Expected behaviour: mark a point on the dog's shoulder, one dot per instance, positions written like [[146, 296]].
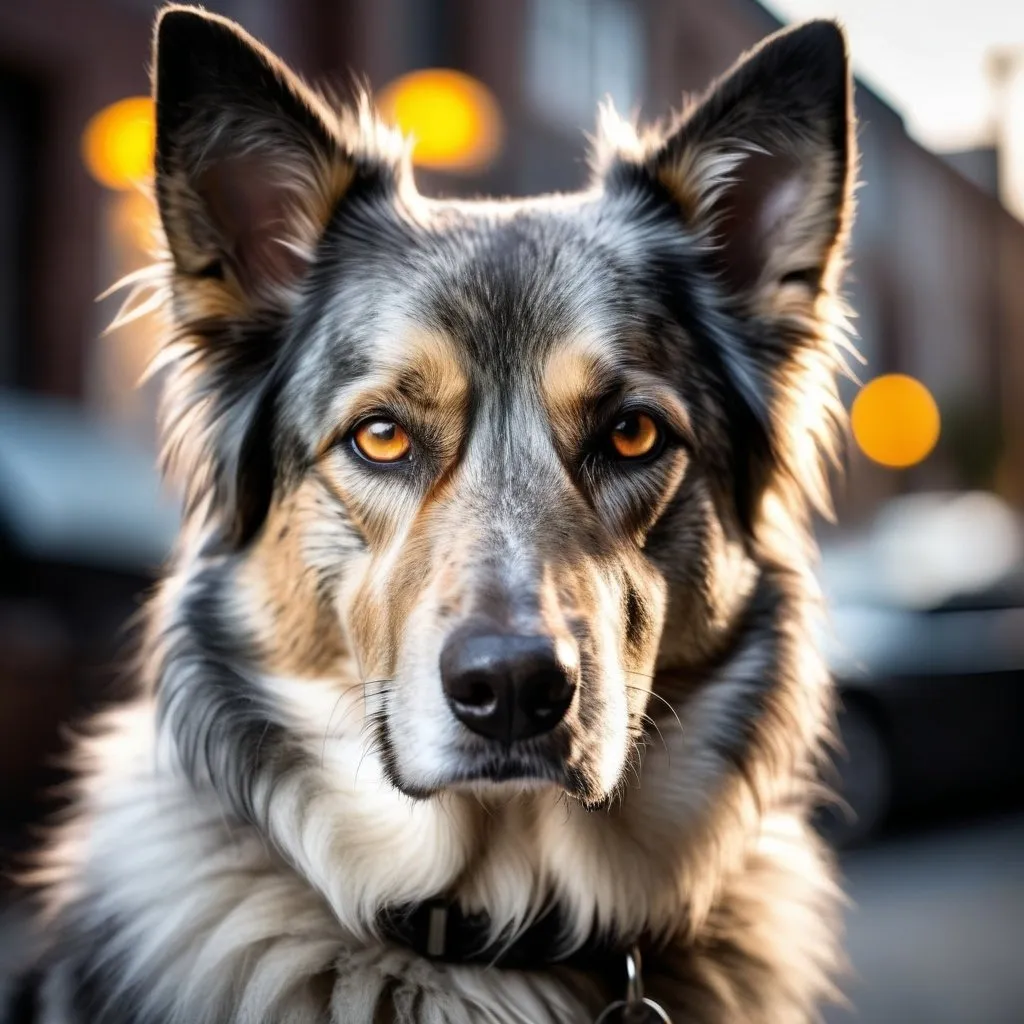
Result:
[[154, 897]]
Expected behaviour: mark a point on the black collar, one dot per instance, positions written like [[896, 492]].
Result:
[[439, 930]]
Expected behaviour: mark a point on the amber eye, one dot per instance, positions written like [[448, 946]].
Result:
[[381, 441], [635, 436]]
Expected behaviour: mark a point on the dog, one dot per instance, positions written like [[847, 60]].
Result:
[[482, 683]]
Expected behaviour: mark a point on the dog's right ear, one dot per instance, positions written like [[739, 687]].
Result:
[[250, 163]]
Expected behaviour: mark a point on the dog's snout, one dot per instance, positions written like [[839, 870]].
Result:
[[507, 687]]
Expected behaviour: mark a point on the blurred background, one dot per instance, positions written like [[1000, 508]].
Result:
[[925, 571]]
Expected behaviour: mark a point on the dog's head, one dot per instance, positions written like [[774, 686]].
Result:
[[508, 459]]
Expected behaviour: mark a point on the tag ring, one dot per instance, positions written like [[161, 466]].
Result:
[[629, 1013], [635, 1007]]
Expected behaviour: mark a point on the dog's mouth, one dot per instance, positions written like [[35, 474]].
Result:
[[503, 776], [539, 763], [480, 771]]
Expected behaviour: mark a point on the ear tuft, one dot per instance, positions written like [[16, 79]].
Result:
[[617, 139]]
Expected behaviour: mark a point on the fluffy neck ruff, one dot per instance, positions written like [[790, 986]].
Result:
[[233, 855]]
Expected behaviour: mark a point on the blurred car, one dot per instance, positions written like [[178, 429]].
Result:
[[83, 525], [926, 641]]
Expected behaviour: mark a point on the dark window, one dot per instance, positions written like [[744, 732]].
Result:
[[20, 114]]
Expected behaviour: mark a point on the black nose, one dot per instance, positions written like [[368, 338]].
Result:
[[506, 687]]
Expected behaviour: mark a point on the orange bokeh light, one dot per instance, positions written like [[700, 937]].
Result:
[[895, 421], [454, 119], [118, 143]]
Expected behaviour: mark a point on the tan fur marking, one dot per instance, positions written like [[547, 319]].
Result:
[[296, 626], [570, 382], [378, 610]]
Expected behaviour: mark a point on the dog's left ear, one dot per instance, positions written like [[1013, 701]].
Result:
[[759, 174], [762, 163]]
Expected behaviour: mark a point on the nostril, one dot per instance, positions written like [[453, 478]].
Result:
[[545, 696], [475, 694]]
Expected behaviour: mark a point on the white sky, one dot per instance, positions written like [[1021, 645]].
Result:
[[929, 59]]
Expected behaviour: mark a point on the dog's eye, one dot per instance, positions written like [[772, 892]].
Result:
[[380, 440], [635, 435]]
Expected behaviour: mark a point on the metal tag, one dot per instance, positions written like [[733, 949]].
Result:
[[635, 1008], [647, 1011]]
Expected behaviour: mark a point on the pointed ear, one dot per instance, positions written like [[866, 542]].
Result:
[[758, 175], [762, 165], [251, 165], [249, 161]]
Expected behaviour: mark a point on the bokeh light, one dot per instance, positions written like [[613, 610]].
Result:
[[455, 120], [119, 141], [895, 420]]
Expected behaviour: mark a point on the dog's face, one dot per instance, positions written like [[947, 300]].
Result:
[[508, 460]]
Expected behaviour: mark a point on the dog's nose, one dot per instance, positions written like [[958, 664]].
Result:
[[506, 687]]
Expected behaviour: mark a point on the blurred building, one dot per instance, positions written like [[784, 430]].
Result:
[[937, 259]]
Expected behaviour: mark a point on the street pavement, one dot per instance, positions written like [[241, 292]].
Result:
[[936, 930]]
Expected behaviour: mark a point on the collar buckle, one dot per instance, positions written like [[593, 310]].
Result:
[[437, 930]]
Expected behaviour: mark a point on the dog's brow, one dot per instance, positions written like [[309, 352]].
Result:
[[429, 377], [575, 373], [429, 386], [421, 374], [580, 375]]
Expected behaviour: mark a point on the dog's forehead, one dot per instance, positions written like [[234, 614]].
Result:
[[506, 289], [479, 295]]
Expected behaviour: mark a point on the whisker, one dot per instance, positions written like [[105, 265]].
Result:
[[369, 715], [658, 696], [372, 740], [327, 727], [344, 692], [639, 675], [372, 722], [661, 736], [368, 711], [344, 719]]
